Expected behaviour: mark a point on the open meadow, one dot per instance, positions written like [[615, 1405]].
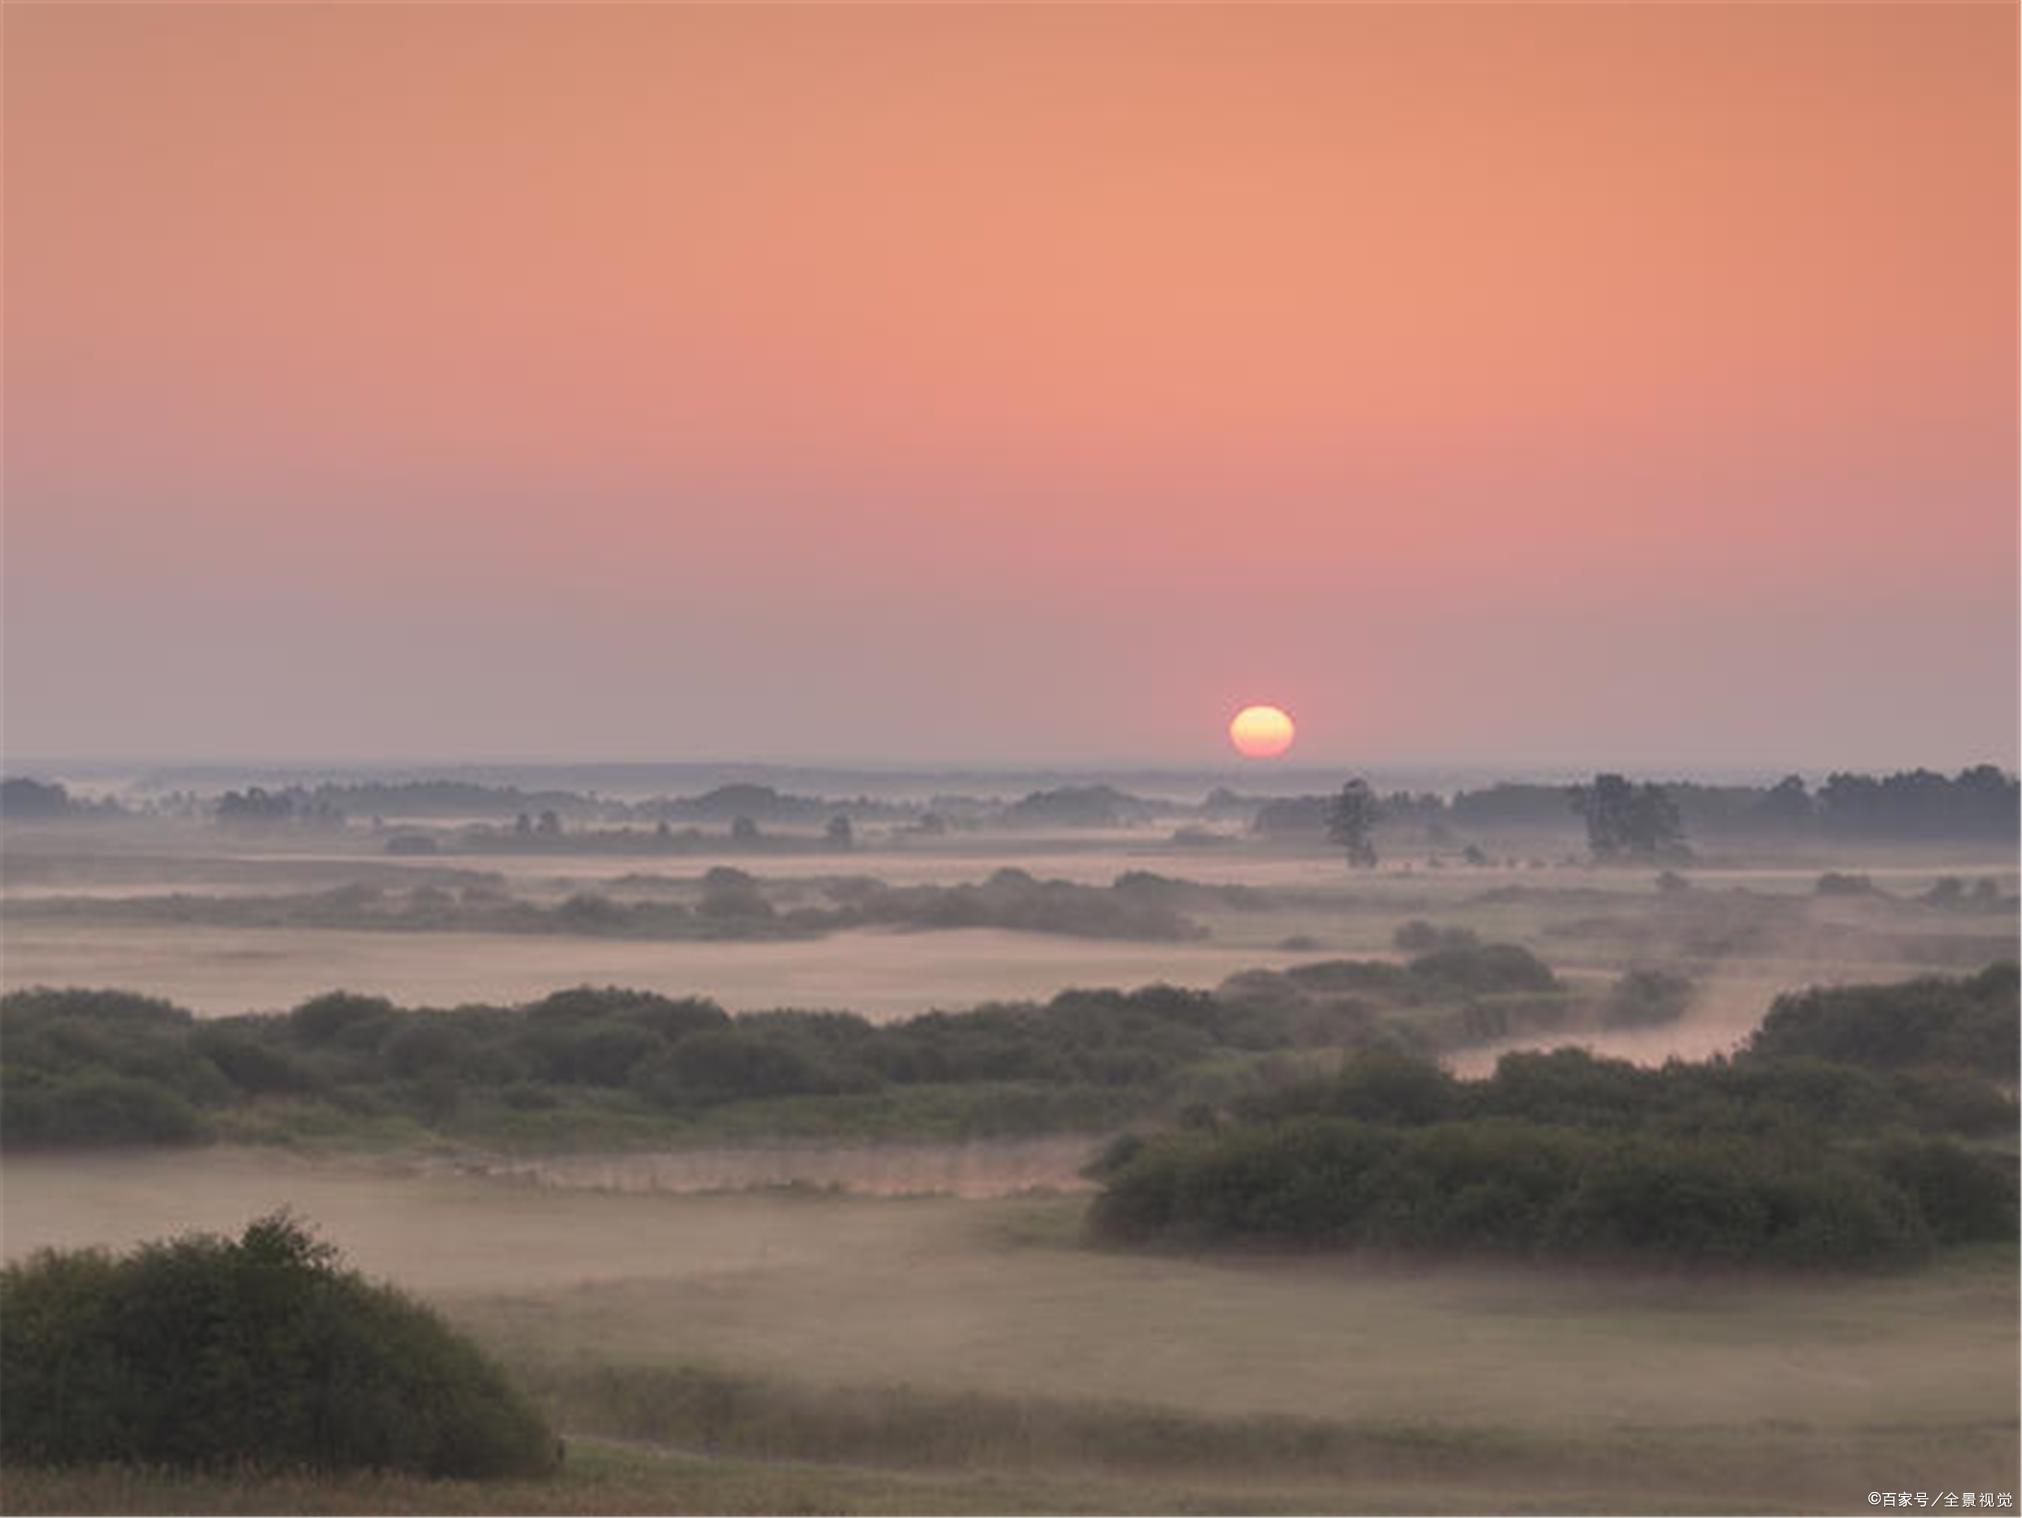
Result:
[[790, 1304], [830, 1335], [1010, 758]]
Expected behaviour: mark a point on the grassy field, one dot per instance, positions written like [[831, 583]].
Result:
[[842, 1353], [1318, 904], [604, 1477], [866, 1350]]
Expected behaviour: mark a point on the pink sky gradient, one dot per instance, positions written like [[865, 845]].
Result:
[[1530, 384]]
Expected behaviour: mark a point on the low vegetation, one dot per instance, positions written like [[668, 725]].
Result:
[[211, 1353], [1776, 1157], [1963, 1024], [616, 1066], [727, 904]]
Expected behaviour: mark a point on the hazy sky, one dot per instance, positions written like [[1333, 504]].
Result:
[[1514, 383]]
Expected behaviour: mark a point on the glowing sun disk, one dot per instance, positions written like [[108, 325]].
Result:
[[1261, 732]]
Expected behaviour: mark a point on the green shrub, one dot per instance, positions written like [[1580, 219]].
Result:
[[1964, 1022], [1963, 1197], [1954, 1101], [1383, 1087], [732, 1065], [42, 1002], [595, 1053], [209, 1352], [1727, 1203], [95, 1108], [1482, 969], [248, 1064], [1570, 1087], [321, 1019], [421, 1046], [1509, 1186], [1421, 937]]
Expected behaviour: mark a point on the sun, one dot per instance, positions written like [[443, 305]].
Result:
[[1261, 732]]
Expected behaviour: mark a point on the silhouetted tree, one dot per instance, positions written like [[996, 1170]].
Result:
[[1787, 804], [1628, 821], [1350, 816], [255, 806], [25, 798]]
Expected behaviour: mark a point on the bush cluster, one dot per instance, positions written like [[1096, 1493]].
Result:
[[1966, 1023], [105, 1068], [1498, 1185], [733, 905], [211, 1352], [1774, 1161], [92, 1067], [1801, 1101]]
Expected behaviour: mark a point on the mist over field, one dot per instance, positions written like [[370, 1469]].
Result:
[[1010, 759], [733, 1129]]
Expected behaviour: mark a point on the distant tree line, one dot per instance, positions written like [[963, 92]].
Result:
[[1626, 821], [26, 800], [1652, 819], [257, 807], [1982, 802], [732, 904]]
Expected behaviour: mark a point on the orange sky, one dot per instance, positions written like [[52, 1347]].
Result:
[[1631, 382]]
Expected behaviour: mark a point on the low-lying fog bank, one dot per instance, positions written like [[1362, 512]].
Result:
[[1723, 1011], [999, 1296], [223, 971], [983, 1168]]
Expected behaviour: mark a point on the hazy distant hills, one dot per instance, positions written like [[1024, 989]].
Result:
[[642, 780]]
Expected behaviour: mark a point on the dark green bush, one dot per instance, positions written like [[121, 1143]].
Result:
[[1483, 969], [1760, 1161], [95, 1108], [1570, 1087], [1727, 1202], [597, 1053], [1383, 1087], [83, 1067], [252, 1066], [209, 1352], [1421, 937], [321, 1019], [1509, 1187], [421, 1045], [733, 1065], [37, 1003], [1965, 1022], [1963, 1197], [1953, 1101]]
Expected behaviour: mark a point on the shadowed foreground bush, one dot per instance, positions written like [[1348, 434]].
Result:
[[209, 1352]]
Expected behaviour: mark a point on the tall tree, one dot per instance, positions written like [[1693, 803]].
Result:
[[1629, 821], [1350, 817]]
